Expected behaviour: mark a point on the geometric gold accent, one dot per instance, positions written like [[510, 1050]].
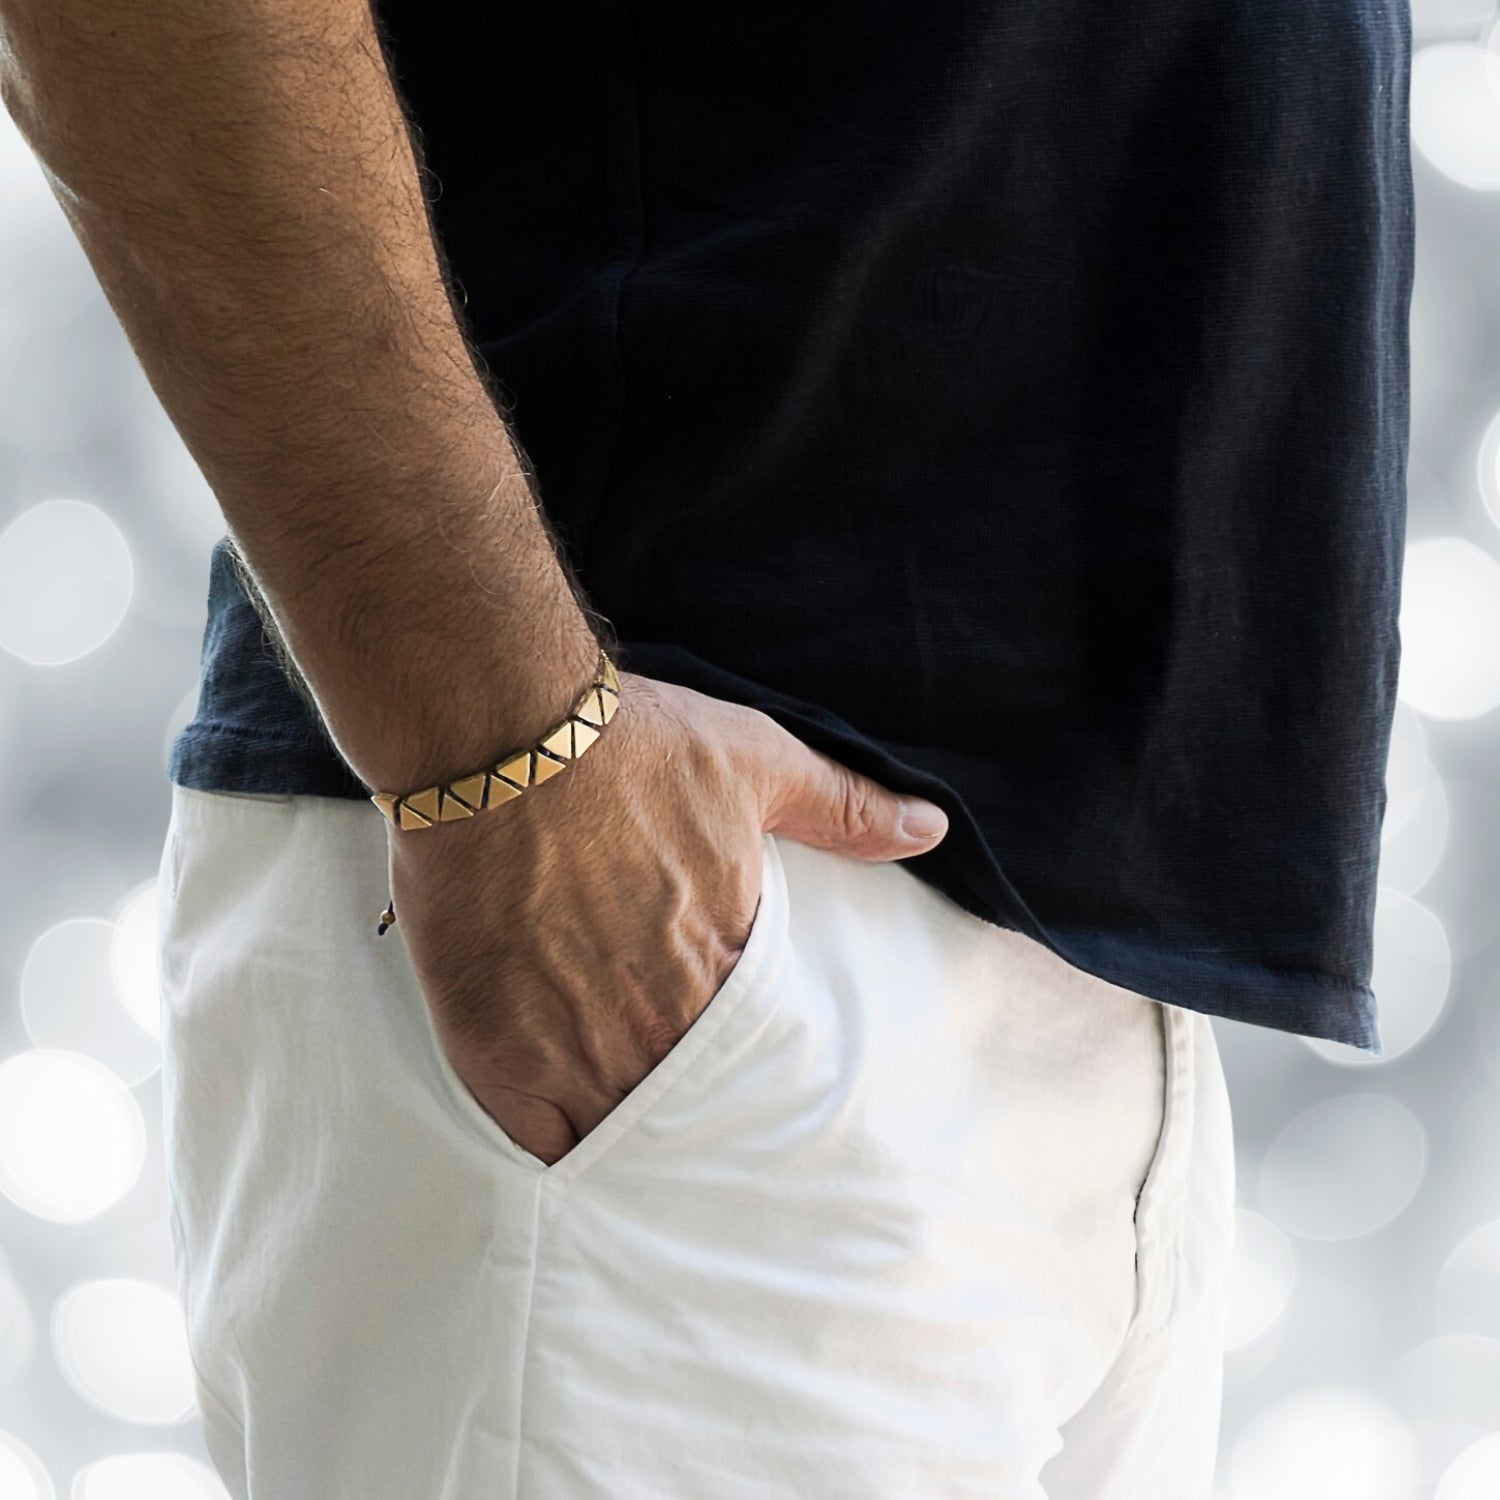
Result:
[[591, 711], [505, 779], [560, 741], [501, 791], [411, 818], [516, 769], [454, 808], [547, 768], [470, 789], [425, 802]]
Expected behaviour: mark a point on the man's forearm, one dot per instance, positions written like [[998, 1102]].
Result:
[[242, 181]]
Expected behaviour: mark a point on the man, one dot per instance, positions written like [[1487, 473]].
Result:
[[973, 435]]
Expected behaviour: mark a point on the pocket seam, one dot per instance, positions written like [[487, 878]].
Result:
[[1158, 1192]]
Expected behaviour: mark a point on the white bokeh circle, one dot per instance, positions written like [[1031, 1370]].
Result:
[[147, 1476], [1450, 629], [70, 999], [72, 1139], [1325, 1444], [1344, 1167], [66, 579], [122, 1345], [1262, 1274], [1475, 1473], [1455, 114], [22, 1476], [1450, 1382], [1468, 1286], [1489, 460]]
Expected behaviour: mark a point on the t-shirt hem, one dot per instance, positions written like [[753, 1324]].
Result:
[[1298, 1001], [226, 758]]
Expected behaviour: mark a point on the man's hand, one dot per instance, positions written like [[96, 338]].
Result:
[[566, 942]]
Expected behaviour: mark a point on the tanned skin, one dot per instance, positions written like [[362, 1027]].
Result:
[[244, 183]]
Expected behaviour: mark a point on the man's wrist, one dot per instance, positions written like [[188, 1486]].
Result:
[[433, 657], [502, 780], [436, 748]]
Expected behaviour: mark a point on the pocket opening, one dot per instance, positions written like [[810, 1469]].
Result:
[[746, 978]]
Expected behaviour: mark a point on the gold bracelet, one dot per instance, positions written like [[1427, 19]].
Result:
[[478, 791]]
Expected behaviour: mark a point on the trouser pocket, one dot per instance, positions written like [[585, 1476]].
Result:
[[884, 1244], [868, 1234], [652, 1109]]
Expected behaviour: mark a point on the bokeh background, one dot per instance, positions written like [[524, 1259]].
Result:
[[1363, 1353]]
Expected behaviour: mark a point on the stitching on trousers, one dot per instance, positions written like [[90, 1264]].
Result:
[[526, 1346]]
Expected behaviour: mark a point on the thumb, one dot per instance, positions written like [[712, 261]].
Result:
[[824, 803]]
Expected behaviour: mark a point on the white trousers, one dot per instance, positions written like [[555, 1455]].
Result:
[[914, 1209]]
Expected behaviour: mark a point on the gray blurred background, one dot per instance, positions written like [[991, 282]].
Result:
[[1363, 1358]]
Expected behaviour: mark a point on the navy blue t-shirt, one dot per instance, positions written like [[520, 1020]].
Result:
[[1009, 399]]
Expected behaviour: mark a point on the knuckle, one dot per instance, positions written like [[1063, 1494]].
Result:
[[750, 739], [858, 808], [751, 758]]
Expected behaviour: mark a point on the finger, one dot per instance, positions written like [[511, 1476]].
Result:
[[818, 801]]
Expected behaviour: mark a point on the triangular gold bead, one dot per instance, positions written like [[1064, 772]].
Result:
[[386, 802], [470, 788], [546, 769], [560, 742], [590, 710], [454, 808], [501, 791], [516, 769], [611, 703], [412, 819], [426, 802], [584, 735], [610, 676]]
